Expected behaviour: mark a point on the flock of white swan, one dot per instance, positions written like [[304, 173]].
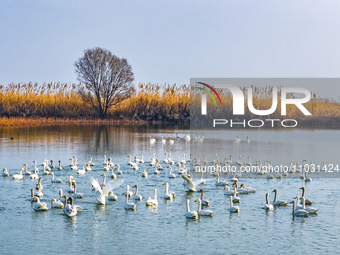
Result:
[[104, 190]]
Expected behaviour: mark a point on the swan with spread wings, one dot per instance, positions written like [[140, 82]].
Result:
[[102, 193]]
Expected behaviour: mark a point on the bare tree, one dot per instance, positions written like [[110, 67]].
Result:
[[106, 79]]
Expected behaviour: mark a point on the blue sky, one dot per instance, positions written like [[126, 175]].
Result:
[[172, 41]]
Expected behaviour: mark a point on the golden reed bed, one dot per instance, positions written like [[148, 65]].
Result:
[[57, 103]]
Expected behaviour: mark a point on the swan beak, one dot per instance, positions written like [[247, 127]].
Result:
[[163, 183]]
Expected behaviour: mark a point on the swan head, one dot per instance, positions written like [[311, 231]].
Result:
[[5, 169], [71, 200], [198, 200], [134, 186], [53, 201], [103, 175], [302, 188], [274, 190]]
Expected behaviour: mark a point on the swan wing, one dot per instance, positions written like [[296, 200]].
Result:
[[189, 181], [110, 186], [96, 185], [200, 181]]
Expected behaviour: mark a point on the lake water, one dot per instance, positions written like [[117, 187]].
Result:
[[110, 229]]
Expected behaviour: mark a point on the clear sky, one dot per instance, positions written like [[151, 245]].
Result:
[[172, 41]]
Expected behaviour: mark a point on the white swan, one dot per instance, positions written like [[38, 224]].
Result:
[[218, 182], [247, 140], [235, 198], [137, 196], [88, 168], [310, 210], [268, 206], [228, 192], [35, 165], [232, 208], [168, 195], [191, 186], [40, 206], [57, 204], [297, 204], [201, 212], [107, 167], [55, 180], [152, 202], [35, 175], [187, 137], [241, 190], [170, 174], [118, 170], [278, 202], [44, 171], [61, 198], [307, 201], [77, 195], [299, 212], [27, 172], [307, 179], [5, 173], [59, 167], [190, 214], [113, 175], [18, 176], [112, 197], [105, 191], [145, 174], [142, 160], [156, 170], [250, 189], [33, 197], [152, 140], [70, 182], [163, 140], [129, 206], [82, 171], [52, 165], [91, 163], [39, 185], [105, 162], [237, 139], [70, 209], [204, 201]]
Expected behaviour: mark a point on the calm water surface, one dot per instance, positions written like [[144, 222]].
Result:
[[110, 229]]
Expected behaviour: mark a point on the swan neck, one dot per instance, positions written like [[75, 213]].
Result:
[[199, 205], [136, 189], [231, 202], [267, 202], [155, 194], [188, 207], [275, 196], [166, 189]]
